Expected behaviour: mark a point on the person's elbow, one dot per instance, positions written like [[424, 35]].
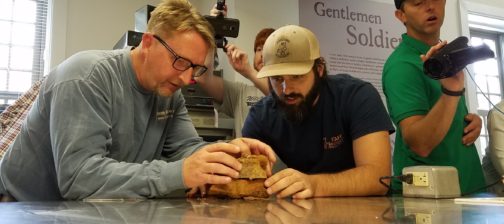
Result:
[[420, 139], [421, 149], [71, 194], [74, 187], [69, 191], [420, 146]]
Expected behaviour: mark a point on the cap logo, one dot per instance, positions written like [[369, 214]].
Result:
[[282, 50]]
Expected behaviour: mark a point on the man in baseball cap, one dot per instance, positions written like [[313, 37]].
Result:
[[331, 131]]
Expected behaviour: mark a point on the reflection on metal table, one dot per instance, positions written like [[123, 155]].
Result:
[[318, 210]]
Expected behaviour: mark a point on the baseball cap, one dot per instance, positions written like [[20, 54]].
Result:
[[398, 3], [290, 50]]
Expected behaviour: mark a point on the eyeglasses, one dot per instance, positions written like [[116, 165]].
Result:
[[182, 64]]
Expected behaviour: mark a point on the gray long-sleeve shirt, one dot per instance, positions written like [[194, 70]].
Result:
[[94, 132]]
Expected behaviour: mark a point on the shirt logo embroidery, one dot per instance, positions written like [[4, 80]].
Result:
[[163, 115], [282, 50], [331, 143], [251, 100]]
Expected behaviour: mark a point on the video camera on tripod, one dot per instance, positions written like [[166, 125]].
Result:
[[223, 27]]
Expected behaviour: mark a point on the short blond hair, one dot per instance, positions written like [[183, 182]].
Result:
[[178, 15]]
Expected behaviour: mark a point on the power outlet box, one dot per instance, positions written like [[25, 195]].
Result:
[[429, 211], [432, 182], [423, 218], [420, 179]]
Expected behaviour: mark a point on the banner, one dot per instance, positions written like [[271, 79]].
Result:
[[356, 37]]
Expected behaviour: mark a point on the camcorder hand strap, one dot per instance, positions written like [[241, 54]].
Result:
[[452, 93]]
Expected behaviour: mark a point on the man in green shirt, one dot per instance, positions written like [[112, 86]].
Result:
[[434, 126]]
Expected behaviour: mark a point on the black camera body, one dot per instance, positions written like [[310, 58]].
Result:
[[223, 27], [454, 57]]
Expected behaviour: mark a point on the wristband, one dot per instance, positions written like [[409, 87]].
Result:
[[452, 93]]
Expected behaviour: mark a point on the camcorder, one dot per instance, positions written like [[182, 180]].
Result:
[[223, 27], [454, 57]]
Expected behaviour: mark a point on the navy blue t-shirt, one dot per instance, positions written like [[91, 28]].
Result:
[[348, 108]]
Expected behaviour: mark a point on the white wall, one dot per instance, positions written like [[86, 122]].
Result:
[[91, 24], [98, 24], [495, 3], [57, 34]]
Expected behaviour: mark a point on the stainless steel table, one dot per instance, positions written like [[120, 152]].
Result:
[[320, 210]]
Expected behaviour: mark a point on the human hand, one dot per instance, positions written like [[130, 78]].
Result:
[[238, 59], [433, 50], [215, 12], [454, 83], [472, 129], [290, 182], [283, 211], [198, 191], [253, 146], [212, 164]]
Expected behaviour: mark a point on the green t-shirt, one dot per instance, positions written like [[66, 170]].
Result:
[[410, 92]]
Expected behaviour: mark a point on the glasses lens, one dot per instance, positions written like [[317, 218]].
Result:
[[199, 70], [181, 64]]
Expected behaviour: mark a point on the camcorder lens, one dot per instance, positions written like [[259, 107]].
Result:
[[454, 57]]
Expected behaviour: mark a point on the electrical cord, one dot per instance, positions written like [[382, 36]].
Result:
[[484, 95], [484, 187], [407, 178]]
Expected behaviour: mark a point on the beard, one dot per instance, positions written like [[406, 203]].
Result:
[[299, 112]]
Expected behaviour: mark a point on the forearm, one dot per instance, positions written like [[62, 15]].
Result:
[[90, 170], [102, 177], [359, 181], [108, 178], [424, 134], [213, 86], [105, 178], [261, 84]]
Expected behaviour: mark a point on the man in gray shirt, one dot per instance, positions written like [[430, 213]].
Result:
[[112, 124]]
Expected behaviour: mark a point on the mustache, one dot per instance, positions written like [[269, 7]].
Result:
[[292, 95]]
